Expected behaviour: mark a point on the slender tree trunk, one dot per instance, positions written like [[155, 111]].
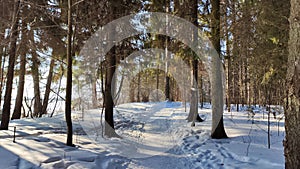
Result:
[[292, 113], [109, 104], [131, 90], [139, 87], [167, 78], [193, 114], [2, 63], [18, 104], [58, 90], [11, 65], [68, 111], [2, 72], [241, 82], [167, 87], [218, 130], [94, 93], [247, 101], [202, 91], [235, 64], [36, 80], [157, 81], [228, 63], [48, 87]]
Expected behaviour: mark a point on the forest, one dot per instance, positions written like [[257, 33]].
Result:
[[114, 65]]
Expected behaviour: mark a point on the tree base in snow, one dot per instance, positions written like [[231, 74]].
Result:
[[198, 119], [219, 132], [110, 132]]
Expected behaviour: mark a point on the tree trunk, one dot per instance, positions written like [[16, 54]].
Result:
[[18, 104], [167, 87], [202, 91], [36, 80], [218, 130], [109, 105], [166, 39], [2, 64], [48, 87], [94, 93], [139, 86], [292, 113], [193, 114], [229, 77], [11, 65], [131, 91], [68, 111]]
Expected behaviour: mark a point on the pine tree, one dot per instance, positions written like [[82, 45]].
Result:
[[292, 112]]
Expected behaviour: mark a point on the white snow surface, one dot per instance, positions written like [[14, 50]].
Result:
[[154, 135]]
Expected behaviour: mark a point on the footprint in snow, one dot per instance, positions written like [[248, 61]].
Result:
[[207, 159]]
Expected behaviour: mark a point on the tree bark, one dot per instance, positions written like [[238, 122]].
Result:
[[139, 86], [166, 39], [229, 71], [2, 64], [94, 93], [48, 87], [18, 104], [11, 65], [292, 113], [193, 114], [109, 104], [68, 111], [218, 130], [36, 79]]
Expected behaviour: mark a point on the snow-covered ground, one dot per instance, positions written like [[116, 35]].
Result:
[[154, 135]]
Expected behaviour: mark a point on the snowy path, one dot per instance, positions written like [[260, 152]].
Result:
[[158, 138]]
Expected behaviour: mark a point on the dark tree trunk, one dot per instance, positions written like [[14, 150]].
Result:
[[68, 111], [157, 81], [167, 87], [109, 104], [10, 72], [139, 87], [48, 87], [18, 104]]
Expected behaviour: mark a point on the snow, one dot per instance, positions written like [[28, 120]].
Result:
[[154, 135]]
